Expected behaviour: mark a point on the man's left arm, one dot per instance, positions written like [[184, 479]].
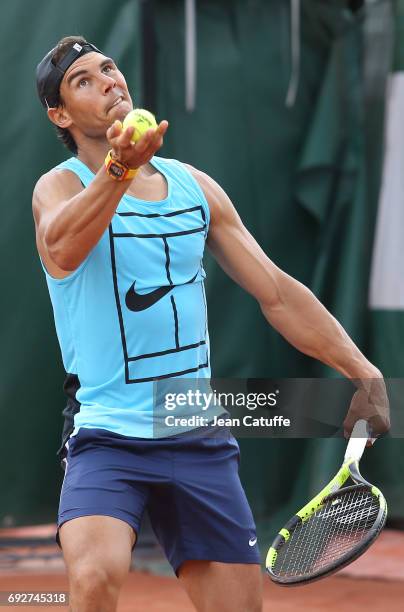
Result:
[[292, 309]]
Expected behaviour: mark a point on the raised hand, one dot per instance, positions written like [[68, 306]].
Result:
[[134, 155]]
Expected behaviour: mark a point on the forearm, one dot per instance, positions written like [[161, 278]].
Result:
[[80, 222], [293, 310], [71, 229], [307, 325]]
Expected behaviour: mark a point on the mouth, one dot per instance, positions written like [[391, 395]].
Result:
[[118, 101]]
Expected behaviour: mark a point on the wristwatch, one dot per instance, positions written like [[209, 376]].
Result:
[[117, 170]]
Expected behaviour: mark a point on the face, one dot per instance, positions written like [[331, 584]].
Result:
[[94, 94]]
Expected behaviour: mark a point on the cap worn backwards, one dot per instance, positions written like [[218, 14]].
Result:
[[49, 75]]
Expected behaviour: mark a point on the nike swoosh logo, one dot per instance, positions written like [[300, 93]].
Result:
[[141, 301], [252, 542]]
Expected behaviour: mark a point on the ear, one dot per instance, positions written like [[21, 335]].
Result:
[[60, 117]]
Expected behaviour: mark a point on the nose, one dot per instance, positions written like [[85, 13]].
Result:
[[107, 83]]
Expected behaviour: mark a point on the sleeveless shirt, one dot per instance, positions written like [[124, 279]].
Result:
[[134, 311]]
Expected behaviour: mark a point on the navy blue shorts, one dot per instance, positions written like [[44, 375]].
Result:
[[189, 484]]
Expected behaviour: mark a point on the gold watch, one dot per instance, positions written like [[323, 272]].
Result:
[[117, 170]]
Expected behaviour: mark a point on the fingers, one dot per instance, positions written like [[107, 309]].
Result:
[[379, 423], [145, 141], [348, 433], [373, 408], [118, 137], [158, 134], [126, 137], [153, 138], [348, 424], [370, 442], [374, 431], [139, 153], [114, 130], [151, 141], [162, 128]]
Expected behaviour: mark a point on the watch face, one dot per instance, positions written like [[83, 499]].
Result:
[[116, 170]]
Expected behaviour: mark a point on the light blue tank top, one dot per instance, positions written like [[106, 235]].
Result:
[[134, 312]]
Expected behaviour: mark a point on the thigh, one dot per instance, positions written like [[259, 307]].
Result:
[[101, 479], [228, 587], [204, 514], [97, 544]]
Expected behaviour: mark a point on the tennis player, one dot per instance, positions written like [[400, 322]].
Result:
[[121, 235]]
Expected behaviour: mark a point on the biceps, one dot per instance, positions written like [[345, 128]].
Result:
[[241, 257]]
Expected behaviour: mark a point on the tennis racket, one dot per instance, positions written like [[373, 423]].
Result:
[[334, 528]]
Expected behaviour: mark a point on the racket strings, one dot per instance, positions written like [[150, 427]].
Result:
[[333, 531], [337, 531]]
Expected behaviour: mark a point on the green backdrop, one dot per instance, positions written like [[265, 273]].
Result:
[[305, 180], [31, 396]]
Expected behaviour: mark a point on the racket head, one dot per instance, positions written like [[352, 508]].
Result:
[[328, 535]]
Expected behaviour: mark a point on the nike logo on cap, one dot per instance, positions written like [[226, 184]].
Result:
[[140, 301], [252, 542]]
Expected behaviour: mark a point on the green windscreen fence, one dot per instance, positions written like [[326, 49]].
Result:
[[304, 177], [31, 397]]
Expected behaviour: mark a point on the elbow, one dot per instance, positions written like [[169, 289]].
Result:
[[62, 259], [272, 301], [272, 307], [275, 296], [58, 252]]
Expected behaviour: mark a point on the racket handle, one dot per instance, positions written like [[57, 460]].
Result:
[[357, 441]]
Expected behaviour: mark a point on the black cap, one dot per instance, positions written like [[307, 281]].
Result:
[[49, 75]]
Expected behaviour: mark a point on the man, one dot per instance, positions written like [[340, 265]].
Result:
[[121, 235]]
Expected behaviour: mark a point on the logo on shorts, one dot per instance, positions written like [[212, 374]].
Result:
[[252, 541]]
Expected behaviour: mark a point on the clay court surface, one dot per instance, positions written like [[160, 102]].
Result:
[[375, 582]]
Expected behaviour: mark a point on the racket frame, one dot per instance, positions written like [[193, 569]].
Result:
[[349, 469]]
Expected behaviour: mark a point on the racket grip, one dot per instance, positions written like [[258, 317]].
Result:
[[357, 441]]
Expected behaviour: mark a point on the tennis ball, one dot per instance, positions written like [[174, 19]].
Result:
[[142, 120]]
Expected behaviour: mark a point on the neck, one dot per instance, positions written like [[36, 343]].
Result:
[[93, 153]]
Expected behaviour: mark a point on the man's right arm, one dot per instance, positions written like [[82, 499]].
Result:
[[70, 220]]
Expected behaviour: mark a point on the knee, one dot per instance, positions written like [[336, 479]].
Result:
[[92, 582], [253, 604], [252, 599]]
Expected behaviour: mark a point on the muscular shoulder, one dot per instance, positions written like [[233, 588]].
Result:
[[57, 180], [54, 186], [219, 202]]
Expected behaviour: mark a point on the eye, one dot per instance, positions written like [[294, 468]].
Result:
[[82, 82], [107, 68]]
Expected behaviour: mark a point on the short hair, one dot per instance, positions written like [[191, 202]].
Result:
[[60, 50]]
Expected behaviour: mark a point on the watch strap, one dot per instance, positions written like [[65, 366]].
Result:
[[117, 170]]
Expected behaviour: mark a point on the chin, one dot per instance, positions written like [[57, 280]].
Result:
[[122, 110]]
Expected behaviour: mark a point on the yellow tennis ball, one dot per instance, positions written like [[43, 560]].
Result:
[[142, 120]]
